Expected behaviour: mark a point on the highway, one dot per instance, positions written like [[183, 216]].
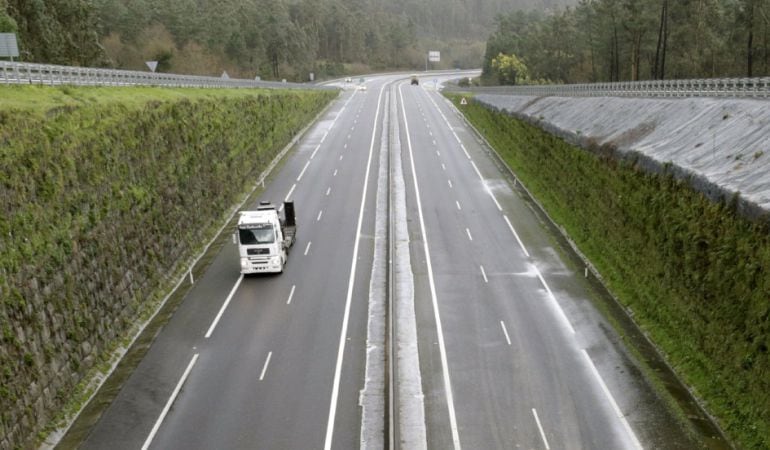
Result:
[[499, 343]]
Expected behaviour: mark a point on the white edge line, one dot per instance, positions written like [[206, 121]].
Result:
[[434, 298], [315, 151], [553, 299], [540, 427], [505, 332], [349, 297], [170, 402], [224, 306], [516, 235], [291, 294], [612, 401], [264, 368], [489, 191]]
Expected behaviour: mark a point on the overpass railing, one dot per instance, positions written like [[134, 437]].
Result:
[[708, 87], [52, 75]]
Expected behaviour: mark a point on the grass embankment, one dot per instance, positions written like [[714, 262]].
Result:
[[104, 193], [694, 273]]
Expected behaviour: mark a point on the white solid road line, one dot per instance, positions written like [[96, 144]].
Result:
[[484, 274], [553, 300], [307, 249], [465, 151], [516, 235], [486, 188], [615, 407], [224, 306], [291, 295], [349, 297], [505, 332], [434, 297], [540, 427], [170, 402], [264, 368]]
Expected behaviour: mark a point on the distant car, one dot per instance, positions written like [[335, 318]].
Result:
[[348, 80], [362, 87], [415, 80]]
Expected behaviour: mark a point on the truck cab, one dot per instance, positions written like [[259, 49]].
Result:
[[264, 239]]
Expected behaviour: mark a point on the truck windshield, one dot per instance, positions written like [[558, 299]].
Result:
[[257, 234]]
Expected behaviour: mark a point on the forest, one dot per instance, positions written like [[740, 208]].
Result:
[[628, 40], [272, 39]]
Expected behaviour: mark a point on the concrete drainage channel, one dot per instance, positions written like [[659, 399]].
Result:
[[393, 413]]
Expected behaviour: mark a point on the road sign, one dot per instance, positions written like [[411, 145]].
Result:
[[463, 101], [225, 76], [152, 65], [434, 56], [9, 48]]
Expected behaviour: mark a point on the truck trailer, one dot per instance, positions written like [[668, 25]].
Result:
[[264, 238]]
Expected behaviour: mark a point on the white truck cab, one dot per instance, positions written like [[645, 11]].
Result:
[[264, 239]]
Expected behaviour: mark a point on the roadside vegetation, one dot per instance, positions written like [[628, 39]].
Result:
[[693, 273], [273, 39], [624, 40], [105, 195]]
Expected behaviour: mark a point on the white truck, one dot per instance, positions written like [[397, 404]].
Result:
[[264, 238]]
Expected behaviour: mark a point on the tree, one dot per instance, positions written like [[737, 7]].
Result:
[[510, 69]]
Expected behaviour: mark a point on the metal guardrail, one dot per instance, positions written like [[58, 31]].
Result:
[[53, 75], [712, 87]]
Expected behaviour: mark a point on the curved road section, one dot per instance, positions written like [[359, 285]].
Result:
[[498, 343]]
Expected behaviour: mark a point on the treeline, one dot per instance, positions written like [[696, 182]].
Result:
[[270, 38], [54, 31], [620, 40]]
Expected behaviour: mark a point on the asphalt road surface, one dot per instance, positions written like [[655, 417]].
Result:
[[508, 348]]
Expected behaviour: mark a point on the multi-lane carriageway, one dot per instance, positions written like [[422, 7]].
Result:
[[402, 215]]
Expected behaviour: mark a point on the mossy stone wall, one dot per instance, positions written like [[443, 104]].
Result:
[[99, 206], [695, 273]]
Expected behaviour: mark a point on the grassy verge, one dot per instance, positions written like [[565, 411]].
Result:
[[104, 194], [694, 273]]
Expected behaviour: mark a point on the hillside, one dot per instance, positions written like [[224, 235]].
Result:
[[106, 194], [273, 39]]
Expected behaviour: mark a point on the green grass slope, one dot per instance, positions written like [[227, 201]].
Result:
[[695, 274], [104, 194]]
